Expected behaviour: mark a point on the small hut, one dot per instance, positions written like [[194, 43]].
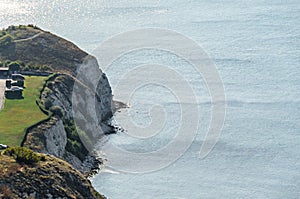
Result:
[[4, 72]]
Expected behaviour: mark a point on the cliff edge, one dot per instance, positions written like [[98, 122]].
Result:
[[39, 52], [36, 48], [47, 178]]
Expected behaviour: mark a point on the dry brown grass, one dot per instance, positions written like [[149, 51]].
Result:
[[52, 175]]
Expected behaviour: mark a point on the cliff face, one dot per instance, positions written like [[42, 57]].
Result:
[[73, 126], [55, 139], [57, 135], [84, 117]]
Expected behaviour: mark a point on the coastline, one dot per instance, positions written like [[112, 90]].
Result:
[[58, 135], [95, 161], [118, 106]]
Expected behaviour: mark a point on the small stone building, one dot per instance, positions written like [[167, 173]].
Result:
[[4, 72]]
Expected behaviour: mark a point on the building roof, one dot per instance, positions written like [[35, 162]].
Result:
[[4, 69]]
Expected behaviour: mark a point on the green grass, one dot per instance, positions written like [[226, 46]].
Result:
[[20, 32], [19, 114]]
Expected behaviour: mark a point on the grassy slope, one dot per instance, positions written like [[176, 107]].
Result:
[[54, 176], [19, 114], [20, 33], [46, 49]]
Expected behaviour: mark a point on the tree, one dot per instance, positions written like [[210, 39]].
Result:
[[14, 66]]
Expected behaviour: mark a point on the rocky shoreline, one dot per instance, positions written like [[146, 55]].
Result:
[[94, 162]]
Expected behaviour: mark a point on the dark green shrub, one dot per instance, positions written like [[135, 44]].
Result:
[[74, 142], [48, 104], [47, 91], [57, 111], [14, 66], [50, 85], [24, 155], [76, 148]]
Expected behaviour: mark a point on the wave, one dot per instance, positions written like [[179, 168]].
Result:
[[111, 171]]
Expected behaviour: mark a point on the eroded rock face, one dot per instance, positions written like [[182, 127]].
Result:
[[87, 103], [91, 99], [56, 139]]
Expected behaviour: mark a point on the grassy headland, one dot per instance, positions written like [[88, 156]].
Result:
[[37, 48], [19, 114]]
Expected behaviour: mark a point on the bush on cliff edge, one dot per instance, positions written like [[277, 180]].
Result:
[[24, 155]]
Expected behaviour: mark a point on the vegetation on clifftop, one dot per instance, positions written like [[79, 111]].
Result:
[[24, 155], [37, 48], [47, 178]]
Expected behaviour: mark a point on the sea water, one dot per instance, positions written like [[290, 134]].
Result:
[[255, 46]]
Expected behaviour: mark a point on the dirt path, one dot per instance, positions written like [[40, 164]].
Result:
[[30, 38], [2, 90]]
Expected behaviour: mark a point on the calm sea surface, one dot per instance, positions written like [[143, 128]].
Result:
[[256, 48]]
